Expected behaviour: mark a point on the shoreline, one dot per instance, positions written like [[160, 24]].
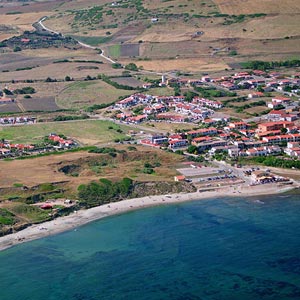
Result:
[[82, 217]]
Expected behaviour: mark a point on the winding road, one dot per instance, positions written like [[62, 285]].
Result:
[[40, 22]]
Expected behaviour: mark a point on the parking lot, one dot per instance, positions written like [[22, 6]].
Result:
[[199, 171]]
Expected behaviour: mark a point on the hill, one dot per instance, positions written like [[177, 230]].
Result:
[[217, 32]]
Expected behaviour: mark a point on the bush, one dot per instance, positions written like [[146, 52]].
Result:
[[17, 49]]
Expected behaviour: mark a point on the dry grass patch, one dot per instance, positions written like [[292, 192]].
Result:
[[183, 6], [32, 172], [23, 21], [167, 32], [170, 127], [87, 93], [237, 7], [60, 70], [188, 64], [269, 27]]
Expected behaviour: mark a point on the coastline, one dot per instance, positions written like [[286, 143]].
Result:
[[82, 217]]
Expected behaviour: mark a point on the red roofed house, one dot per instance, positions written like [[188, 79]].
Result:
[[270, 126]]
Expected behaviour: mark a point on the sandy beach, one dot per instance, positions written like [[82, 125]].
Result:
[[81, 217]]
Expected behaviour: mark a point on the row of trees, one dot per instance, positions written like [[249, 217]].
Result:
[[265, 65], [272, 161]]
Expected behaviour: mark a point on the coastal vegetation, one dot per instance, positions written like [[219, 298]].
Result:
[[273, 161], [103, 191]]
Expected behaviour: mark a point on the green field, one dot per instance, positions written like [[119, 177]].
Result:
[[114, 51], [86, 93], [92, 40], [161, 91], [87, 132]]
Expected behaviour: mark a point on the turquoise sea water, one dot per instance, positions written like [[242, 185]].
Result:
[[218, 249]]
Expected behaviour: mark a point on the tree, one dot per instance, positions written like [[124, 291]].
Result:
[[17, 49], [192, 149], [68, 78], [131, 67], [189, 95], [283, 130], [116, 66]]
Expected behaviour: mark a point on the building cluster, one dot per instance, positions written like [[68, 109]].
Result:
[[8, 149], [236, 139], [169, 108], [246, 80], [17, 120]]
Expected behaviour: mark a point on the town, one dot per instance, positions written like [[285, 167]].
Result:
[[275, 133]]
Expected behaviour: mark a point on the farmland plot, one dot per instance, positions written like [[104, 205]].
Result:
[[39, 104], [9, 107]]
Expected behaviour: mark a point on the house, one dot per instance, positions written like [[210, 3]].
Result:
[[281, 100], [127, 102], [208, 103], [158, 139], [255, 95], [4, 151], [198, 140], [202, 132], [233, 152], [179, 178], [281, 138], [238, 125], [170, 117], [137, 119], [148, 110], [269, 126], [175, 144], [207, 145], [147, 85]]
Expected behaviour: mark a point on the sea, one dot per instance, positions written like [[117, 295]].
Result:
[[214, 249]]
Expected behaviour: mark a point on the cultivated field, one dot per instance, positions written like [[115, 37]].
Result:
[[87, 132], [10, 107], [87, 93], [39, 104]]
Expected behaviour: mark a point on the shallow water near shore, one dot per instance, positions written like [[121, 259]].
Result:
[[241, 248]]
